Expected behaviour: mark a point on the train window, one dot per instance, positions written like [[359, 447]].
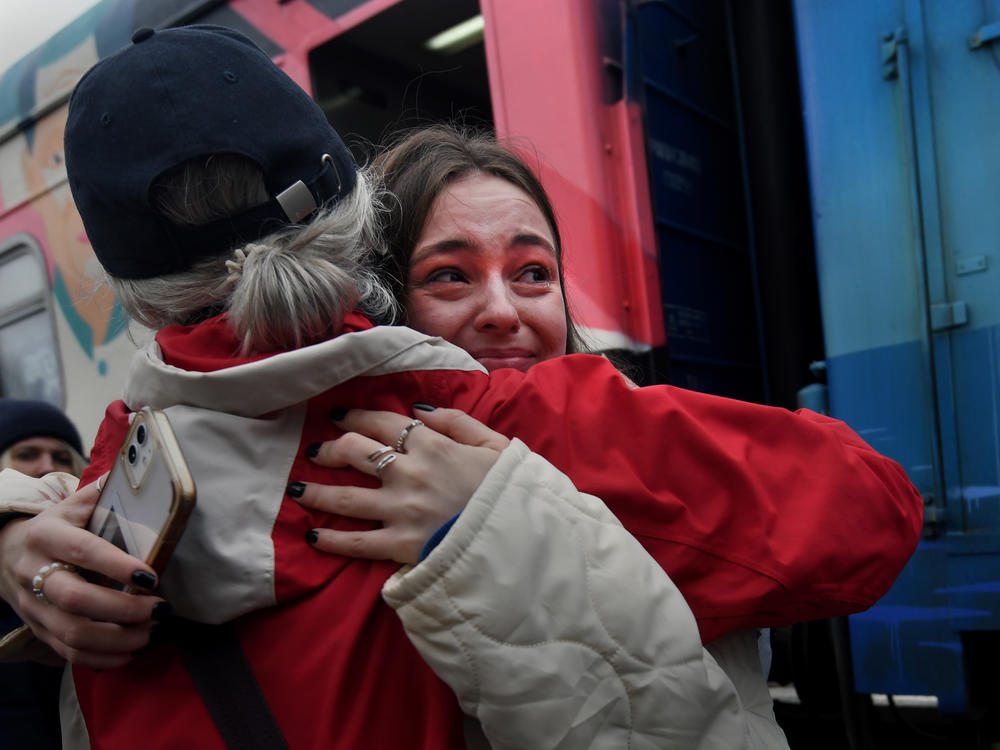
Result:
[[414, 63], [29, 363]]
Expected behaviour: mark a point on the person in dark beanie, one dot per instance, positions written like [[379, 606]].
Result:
[[35, 438]]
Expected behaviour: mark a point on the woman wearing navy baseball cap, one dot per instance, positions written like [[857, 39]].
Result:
[[230, 217]]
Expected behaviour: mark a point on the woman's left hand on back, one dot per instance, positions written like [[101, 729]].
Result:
[[445, 460]]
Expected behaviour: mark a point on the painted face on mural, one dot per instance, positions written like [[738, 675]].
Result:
[[42, 164], [483, 275], [89, 308], [34, 173]]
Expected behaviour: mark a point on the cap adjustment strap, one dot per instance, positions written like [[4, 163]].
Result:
[[296, 201]]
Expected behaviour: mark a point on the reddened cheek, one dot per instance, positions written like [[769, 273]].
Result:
[[435, 316]]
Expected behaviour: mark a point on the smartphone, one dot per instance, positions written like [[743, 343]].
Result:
[[148, 496]]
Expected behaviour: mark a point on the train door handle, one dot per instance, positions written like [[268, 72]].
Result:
[[985, 35]]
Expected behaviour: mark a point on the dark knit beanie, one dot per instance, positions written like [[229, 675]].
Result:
[[20, 420]]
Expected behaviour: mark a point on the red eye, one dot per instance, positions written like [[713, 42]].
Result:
[[445, 276], [535, 275]]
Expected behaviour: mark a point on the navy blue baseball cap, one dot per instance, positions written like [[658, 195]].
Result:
[[175, 95]]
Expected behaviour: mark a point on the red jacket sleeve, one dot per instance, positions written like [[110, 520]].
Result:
[[761, 516]]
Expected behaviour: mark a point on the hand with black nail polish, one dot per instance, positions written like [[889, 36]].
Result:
[[144, 580], [103, 627], [428, 469]]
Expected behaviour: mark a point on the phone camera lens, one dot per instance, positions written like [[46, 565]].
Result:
[[132, 454], [140, 434]]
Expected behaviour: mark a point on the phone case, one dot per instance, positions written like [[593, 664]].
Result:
[[149, 494]]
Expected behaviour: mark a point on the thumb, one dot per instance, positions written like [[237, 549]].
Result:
[[77, 507]]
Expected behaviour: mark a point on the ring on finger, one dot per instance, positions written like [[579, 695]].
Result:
[[38, 582], [401, 440], [383, 462], [376, 454]]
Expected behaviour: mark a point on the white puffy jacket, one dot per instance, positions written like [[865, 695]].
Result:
[[557, 630]]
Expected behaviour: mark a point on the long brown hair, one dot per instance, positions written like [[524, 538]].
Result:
[[421, 163]]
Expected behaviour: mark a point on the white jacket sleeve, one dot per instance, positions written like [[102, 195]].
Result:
[[556, 629], [739, 657], [24, 495]]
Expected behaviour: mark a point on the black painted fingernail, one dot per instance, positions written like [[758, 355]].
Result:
[[144, 580], [295, 489], [424, 407], [311, 536], [313, 450], [162, 610], [338, 413]]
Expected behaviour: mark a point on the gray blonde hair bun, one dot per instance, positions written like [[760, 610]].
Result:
[[285, 290]]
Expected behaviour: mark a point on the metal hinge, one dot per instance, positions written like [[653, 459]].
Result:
[[890, 55], [934, 517], [985, 35], [948, 315]]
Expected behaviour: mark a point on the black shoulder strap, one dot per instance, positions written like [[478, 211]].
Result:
[[220, 670]]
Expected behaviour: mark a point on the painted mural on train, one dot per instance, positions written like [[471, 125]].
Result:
[[37, 216]]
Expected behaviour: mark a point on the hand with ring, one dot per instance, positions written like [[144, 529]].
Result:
[[429, 468], [82, 622]]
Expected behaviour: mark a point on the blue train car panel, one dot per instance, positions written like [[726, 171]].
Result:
[[901, 114]]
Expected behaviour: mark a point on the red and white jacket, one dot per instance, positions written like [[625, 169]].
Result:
[[760, 516]]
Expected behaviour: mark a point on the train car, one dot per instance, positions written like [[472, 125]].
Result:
[[785, 201], [902, 108], [374, 66]]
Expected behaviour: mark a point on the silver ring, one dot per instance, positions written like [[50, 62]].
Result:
[[38, 582], [401, 440], [100, 489], [376, 454], [385, 461]]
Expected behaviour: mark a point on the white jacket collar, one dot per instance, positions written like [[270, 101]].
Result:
[[291, 377]]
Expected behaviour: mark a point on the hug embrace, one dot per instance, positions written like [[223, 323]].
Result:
[[584, 563]]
